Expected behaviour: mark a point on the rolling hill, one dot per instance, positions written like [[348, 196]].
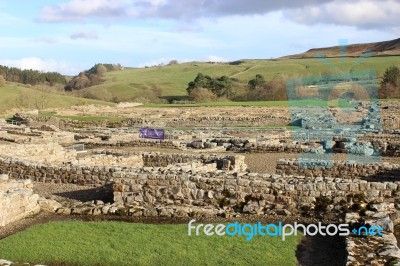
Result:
[[386, 48], [15, 96], [171, 81]]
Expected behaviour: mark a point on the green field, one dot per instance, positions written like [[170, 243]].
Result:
[[172, 80], [92, 118], [119, 244]]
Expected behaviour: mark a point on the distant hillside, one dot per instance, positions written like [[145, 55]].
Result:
[[15, 96], [385, 48], [171, 81]]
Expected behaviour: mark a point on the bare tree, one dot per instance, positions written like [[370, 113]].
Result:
[[2, 81]]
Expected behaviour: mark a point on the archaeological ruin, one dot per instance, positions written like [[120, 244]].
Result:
[[207, 166]]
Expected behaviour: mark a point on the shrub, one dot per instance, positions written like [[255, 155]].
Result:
[[202, 95]]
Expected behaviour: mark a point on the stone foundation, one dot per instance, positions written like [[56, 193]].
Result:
[[339, 169], [16, 200], [176, 189]]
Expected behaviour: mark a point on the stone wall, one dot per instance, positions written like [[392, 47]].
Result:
[[99, 168], [41, 153], [16, 200], [155, 159], [110, 160], [374, 250], [165, 144], [186, 193], [339, 169], [82, 175]]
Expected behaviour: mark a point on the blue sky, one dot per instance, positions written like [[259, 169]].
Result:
[[70, 36]]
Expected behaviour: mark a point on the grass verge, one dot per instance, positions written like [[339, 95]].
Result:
[[118, 243]]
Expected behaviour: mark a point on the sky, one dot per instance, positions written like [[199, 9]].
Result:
[[69, 36]]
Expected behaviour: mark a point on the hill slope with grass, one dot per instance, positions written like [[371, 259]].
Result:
[[171, 81], [386, 48], [16, 96]]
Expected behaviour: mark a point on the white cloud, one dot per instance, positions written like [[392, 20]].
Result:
[[379, 14], [36, 63], [359, 13], [7, 19], [77, 10], [84, 35], [48, 40]]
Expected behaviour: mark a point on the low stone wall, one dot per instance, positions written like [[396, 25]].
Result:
[[373, 250], [288, 148], [98, 169], [339, 169], [165, 144], [16, 200], [43, 153], [82, 175], [181, 193], [110, 160], [202, 121], [155, 159]]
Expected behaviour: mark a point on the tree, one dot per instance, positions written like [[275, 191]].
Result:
[[100, 69], [2, 81], [41, 101], [390, 85], [201, 81], [392, 76], [173, 62], [257, 83], [221, 86]]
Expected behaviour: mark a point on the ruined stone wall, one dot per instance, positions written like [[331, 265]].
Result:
[[289, 148], [339, 169], [185, 193], [82, 175], [165, 144], [98, 169], [42, 153], [16, 200], [174, 121], [110, 160], [228, 121], [155, 159], [374, 250]]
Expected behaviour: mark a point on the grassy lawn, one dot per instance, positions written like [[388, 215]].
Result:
[[92, 118], [84, 118], [117, 243]]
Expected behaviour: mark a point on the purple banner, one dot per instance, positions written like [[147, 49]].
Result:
[[151, 133]]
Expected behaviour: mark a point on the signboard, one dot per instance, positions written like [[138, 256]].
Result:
[[151, 133]]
